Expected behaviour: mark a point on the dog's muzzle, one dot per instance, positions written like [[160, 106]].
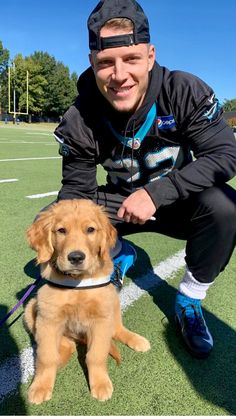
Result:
[[76, 257]]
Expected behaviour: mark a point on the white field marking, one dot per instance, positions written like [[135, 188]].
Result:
[[165, 270], [39, 133], [27, 142], [17, 369], [20, 368], [42, 195], [31, 158], [8, 180]]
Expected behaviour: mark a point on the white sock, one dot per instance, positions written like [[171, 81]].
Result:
[[114, 252], [192, 288]]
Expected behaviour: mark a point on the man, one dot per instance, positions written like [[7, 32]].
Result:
[[144, 123]]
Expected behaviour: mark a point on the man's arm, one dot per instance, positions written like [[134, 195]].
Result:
[[76, 145], [213, 145], [204, 131]]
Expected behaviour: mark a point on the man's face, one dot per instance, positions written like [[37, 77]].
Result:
[[122, 73]]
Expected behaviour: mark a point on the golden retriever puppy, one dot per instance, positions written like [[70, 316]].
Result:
[[73, 240]]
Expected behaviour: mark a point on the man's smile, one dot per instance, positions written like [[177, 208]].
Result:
[[121, 91]]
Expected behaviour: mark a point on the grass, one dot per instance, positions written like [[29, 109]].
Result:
[[166, 380]]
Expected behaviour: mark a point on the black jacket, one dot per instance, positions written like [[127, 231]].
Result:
[[188, 148]]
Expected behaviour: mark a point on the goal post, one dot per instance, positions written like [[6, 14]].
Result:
[[16, 112]]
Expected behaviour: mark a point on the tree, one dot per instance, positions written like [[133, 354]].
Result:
[[51, 88], [61, 88], [229, 105], [37, 84], [4, 59]]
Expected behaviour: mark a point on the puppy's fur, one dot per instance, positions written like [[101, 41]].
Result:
[[60, 317]]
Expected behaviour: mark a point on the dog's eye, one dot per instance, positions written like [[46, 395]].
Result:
[[61, 230], [90, 230]]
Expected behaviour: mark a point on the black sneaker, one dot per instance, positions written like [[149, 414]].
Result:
[[192, 325]]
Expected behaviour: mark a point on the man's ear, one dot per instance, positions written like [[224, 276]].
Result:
[[91, 60], [151, 57]]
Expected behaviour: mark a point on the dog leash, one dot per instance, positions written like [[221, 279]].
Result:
[[20, 302]]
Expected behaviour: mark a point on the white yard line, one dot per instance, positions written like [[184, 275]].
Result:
[[42, 195], [27, 142], [30, 158], [39, 133], [20, 368], [16, 370], [8, 180], [165, 270]]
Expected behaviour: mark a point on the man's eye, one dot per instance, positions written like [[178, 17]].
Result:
[[90, 230], [105, 63], [132, 59], [61, 230]]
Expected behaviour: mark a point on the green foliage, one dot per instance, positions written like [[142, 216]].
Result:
[[51, 87], [61, 87], [37, 84], [229, 105], [4, 58]]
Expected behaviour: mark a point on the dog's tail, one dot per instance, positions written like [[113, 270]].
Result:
[[30, 315]]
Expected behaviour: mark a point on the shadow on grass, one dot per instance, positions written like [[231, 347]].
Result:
[[11, 401], [213, 378]]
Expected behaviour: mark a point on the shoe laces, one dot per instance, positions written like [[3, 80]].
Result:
[[194, 318]]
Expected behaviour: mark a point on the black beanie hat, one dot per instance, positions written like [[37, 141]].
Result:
[[110, 9]]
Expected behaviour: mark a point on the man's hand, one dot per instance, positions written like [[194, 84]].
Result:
[[137, 208]]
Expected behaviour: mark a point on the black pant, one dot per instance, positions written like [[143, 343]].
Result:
[[206, 220]]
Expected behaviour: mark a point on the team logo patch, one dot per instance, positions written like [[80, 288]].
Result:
[[134, 143], [166, 122], [213, 109], [64, 150]]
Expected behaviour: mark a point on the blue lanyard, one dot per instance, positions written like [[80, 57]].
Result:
[[142, 132]]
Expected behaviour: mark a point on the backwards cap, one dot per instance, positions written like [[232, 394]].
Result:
[[110, 9]]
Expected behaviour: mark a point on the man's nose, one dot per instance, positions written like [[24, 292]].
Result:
[[119, 71]]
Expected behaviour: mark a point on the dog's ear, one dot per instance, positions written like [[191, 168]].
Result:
[[39, 236], [109, 234]]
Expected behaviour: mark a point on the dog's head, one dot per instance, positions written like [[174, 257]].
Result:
[[73, 236]]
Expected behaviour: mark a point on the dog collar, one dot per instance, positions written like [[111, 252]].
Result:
[[80, 283]]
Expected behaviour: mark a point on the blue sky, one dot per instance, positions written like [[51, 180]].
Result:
[[194, 36]]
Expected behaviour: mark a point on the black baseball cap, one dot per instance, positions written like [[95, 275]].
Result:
[[110, 9]]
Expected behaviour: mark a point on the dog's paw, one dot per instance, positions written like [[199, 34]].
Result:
[[139, 343], [102, 391], [39, 394]]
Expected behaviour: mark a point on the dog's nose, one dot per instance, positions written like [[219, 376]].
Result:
[[76, 257]]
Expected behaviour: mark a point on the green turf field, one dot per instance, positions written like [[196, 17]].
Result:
[[164, 381]]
